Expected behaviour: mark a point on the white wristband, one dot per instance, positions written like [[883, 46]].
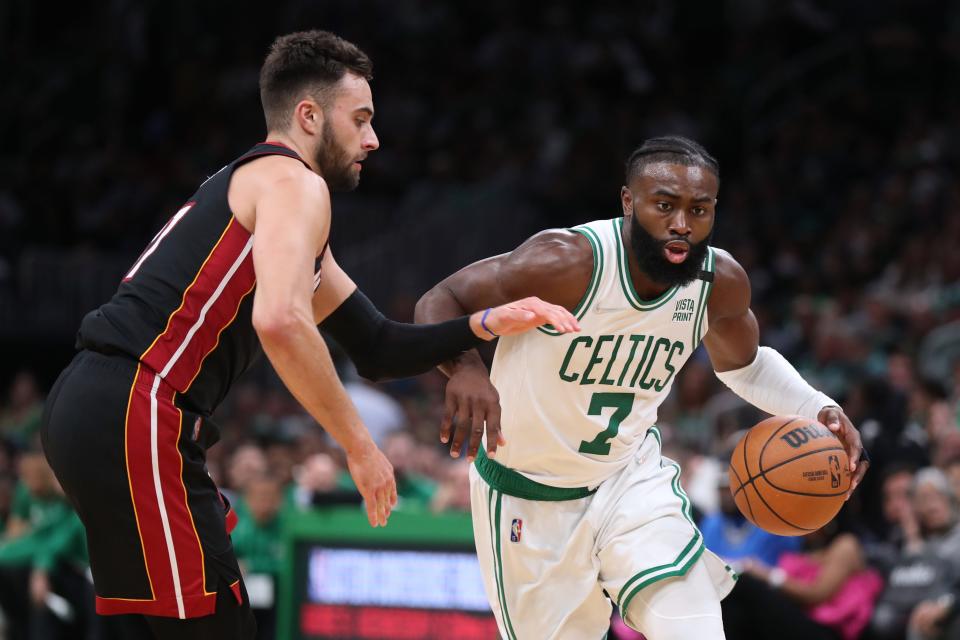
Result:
[[772, 384]]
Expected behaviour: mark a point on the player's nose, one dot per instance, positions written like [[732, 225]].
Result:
[[370, 141], [679, 223]]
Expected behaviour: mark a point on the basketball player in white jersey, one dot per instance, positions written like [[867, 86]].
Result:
[[580, 507]]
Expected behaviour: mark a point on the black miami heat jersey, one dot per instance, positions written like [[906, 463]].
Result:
[[184, 310]]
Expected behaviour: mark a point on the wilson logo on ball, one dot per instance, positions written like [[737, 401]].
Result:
[[796, 438]]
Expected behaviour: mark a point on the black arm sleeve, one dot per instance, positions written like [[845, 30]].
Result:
[[382, 349]]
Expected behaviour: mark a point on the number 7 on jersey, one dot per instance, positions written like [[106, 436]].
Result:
[[622, 404]]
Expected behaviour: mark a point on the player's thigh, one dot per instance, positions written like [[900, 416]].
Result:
[[678, 608], [538, 565]]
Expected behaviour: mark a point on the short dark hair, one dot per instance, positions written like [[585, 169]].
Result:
[[306, 61], [672, 149]]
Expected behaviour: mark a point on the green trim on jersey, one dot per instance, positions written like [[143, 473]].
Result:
[[514, 484], [680, 570], [733, 574], [595, 276], [705, 289], [626, 282]]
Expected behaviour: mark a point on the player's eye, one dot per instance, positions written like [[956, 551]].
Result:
[[699, 211], [664, 206]]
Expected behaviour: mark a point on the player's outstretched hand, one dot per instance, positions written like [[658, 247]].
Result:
[[472, 402], [373, 475], [838, 422], [520, 316]]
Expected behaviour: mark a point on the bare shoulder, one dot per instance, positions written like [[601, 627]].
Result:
[[554, 250], [555, 264], [731, 287], [272, 176]]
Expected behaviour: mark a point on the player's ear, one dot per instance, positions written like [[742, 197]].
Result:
[[626, 201], [308, 116]]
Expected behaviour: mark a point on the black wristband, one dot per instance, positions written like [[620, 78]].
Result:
[[381, 348]]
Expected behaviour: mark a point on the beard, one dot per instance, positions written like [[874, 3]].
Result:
[[649, 254], [336, 165]]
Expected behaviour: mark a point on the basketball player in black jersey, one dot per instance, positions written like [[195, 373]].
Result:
[[244, 263]]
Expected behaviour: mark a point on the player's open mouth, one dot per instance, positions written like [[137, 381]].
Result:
[[676, 251]]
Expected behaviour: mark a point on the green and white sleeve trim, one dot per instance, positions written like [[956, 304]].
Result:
[[595, 277]]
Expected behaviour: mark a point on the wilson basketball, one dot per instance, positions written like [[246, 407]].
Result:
[[789, 475]]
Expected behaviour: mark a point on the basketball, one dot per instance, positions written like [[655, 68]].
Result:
[[789, 475]]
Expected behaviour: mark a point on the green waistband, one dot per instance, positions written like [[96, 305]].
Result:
[[510, 482]]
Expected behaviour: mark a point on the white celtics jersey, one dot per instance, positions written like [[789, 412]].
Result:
[[577, 406]]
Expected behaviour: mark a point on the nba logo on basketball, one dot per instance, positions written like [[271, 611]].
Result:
[[516, 529], [834, 462]]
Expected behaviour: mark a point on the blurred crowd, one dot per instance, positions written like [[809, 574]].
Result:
[[837, 132]]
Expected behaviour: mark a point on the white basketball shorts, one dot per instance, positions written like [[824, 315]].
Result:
[[553, 559]]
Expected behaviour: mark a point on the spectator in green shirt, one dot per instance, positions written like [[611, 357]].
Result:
[[44, 592], [414, 490], [258, 545], [21, 418]]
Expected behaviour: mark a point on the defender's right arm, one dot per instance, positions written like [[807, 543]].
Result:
[[553, 265], [292, 223]]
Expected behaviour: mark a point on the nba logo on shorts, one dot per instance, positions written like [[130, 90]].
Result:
[[516, 529]]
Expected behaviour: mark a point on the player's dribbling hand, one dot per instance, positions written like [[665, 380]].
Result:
[[838, 422], [472, 402], [520, 316], [373, 475]]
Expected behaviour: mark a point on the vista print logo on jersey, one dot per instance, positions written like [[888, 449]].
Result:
[[684, 310]]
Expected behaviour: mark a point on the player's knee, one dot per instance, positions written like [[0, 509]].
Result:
[[658, 626], [677, 609]]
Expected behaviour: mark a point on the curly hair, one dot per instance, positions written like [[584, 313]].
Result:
[[306, 63], [672, 149]]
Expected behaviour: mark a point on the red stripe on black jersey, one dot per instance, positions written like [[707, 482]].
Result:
[[208, 306], [184, 310], [171, 545]]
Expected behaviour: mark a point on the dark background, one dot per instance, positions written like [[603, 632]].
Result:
[[836, 125]]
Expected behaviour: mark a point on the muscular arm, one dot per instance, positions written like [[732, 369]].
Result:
[[760, 375], [382, 348], [553, 265], [733, 336], [292, 222], [379, 347]]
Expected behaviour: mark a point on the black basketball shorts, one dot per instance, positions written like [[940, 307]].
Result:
[[132, 463]]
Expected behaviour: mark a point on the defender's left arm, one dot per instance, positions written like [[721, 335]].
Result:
[[382, 348], [760, 375]]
